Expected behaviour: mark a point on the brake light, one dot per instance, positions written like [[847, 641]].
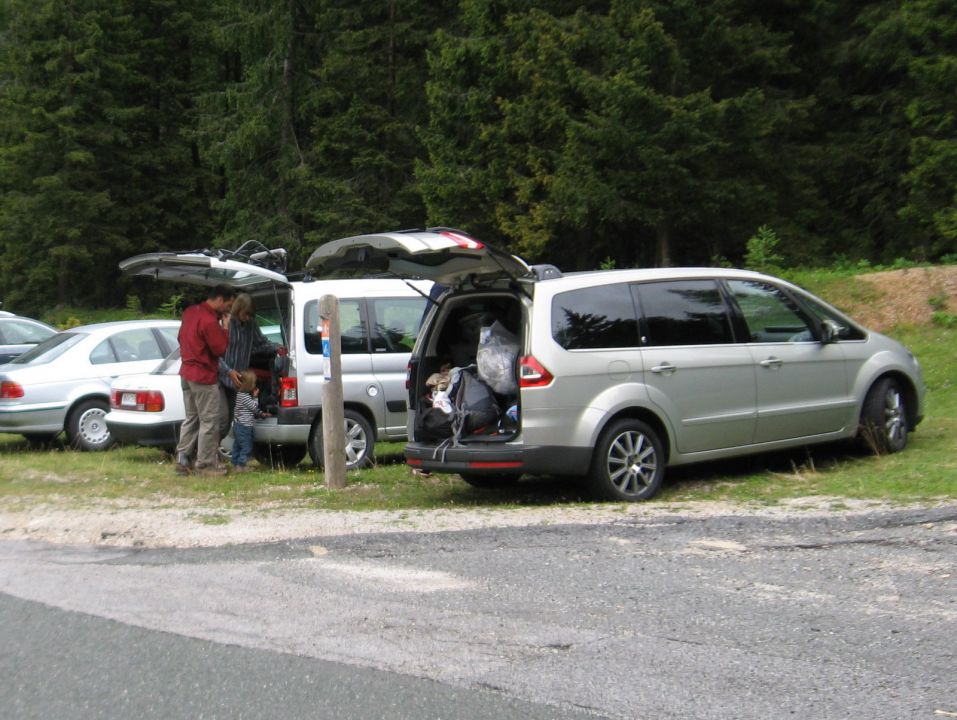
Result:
[[153, 401], [140, 400], [10, 390], [463, 241], [288, 392], [532, 373]]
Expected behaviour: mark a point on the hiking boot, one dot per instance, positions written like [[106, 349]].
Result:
[[183, 464], [242, 469]]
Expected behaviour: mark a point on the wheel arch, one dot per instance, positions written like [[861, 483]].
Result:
[[648, 417], [360, 408], [911, 403], [79, 400]]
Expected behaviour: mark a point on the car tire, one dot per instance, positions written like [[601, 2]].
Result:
[[278, 457], [629, 462], [86, 427], [490, 482], [360, 441], [883, 426]]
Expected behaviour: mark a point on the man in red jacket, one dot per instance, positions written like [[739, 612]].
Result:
[[203, 338]]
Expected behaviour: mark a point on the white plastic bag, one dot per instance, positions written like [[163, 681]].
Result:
[[442, 401], [495, 358]]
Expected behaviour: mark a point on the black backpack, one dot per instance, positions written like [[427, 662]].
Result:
[[432, 423], [474, 404]]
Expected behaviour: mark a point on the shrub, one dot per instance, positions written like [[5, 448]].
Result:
[[944, 319], [173, 307], [762, 252]]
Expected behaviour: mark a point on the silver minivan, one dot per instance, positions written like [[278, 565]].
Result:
[[614, 375], [379, 320]]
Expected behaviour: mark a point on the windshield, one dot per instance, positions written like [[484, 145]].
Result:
[[49, 350]]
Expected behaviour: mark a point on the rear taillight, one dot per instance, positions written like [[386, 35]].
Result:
[[141, 400], [10, 390], [532, 373], [288, 392], [153, 401], [462, 240], [408, 375]]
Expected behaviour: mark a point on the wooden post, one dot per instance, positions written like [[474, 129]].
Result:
[[333, 414]]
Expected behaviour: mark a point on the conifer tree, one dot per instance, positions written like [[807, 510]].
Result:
[[93, 165]]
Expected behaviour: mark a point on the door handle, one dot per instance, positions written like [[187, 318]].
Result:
[[665, 368], [772, 362]]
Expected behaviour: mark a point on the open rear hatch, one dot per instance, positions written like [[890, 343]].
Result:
[[204, 268], [448, 257]]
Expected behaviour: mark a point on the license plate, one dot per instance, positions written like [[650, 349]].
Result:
[[129, 398]]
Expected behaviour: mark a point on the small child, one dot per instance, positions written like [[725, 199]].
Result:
[[246, 411]]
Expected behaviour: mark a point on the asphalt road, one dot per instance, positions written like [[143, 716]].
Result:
[[817, 616]]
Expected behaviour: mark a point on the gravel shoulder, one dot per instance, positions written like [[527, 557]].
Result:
[[184, 525]]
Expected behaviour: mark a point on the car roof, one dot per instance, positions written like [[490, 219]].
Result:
[[21, 318], [364, 287], [119, 324]]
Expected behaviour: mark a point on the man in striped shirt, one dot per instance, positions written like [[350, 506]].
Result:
[[245, 338]]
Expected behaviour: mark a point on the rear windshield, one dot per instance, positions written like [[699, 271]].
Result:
[[49, 350]]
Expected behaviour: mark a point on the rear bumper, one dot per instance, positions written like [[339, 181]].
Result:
[[499, 458], [275, 432], [162, 434]]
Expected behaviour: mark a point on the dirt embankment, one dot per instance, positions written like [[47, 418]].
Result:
[[908, 297]]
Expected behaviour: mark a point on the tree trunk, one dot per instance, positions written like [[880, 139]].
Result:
[[663, 250]]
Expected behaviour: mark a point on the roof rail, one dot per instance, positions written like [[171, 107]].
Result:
[[545, 271]]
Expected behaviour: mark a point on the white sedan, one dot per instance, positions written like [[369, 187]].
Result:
[[63, 384], [147, 409]]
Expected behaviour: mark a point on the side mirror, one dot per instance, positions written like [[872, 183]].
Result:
[[829, 332]]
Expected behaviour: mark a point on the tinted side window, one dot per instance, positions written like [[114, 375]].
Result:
[[352, 327], [770, 314], [132, 345], [595, 317], [684, 312], [396, 322], [102, 354]]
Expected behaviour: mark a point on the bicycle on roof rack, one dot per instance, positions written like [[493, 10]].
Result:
[[255, 253]]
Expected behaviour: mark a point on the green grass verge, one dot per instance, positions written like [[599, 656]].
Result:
[[927, 470]]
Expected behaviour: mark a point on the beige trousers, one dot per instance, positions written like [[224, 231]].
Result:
[[199, 435]]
